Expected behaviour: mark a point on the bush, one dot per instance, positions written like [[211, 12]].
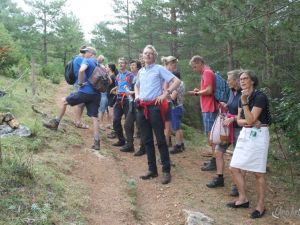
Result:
[[53, 72]]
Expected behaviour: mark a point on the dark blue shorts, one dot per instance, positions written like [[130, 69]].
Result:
[[91, 102], [177, 113]]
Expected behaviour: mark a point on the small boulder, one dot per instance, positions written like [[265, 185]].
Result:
[[197, 218]]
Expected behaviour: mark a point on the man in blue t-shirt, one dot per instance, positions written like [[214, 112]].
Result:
[[123, 83], [78, 109], [85, 95]]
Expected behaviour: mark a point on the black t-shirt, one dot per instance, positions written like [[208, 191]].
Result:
[[260, 100], [113, 84]]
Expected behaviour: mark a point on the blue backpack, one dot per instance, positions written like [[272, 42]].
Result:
[[222, 90]]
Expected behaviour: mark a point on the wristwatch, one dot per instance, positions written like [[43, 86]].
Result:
[[169, 91]]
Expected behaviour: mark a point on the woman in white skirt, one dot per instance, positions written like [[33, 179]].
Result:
[[251, 151]]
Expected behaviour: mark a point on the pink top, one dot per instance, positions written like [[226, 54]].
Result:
[[207, 102]]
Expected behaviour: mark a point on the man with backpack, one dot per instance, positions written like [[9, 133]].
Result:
[[85, 95], [207, 101], [78, 110]]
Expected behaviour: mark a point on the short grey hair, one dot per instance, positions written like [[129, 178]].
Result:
[[153, 49], [197, 59], [235, 74]]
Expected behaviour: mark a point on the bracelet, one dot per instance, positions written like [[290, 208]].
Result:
[[245, 104]]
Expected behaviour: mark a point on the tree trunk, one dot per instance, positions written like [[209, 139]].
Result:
[[128, 32], [174, 34], [33, 87], [0, 152], [230, 60], [268, 56], [45, 39]]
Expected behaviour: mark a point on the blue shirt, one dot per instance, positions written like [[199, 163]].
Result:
[[150, 81], [87, 87], [124, 79], [233, 103]]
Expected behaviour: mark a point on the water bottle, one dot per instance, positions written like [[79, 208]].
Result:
[[129, 96]]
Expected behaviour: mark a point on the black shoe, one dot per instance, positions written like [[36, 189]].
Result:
[[176, 149], [149, 175], [233, 205], [182, 147], [257, 214], [211, 166], [119, 143], [140, 152], [96, 145], [216, 182], [234, 191], [166, 178], [127, 148]]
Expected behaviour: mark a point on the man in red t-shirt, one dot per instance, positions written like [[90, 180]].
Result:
[[207, 101]]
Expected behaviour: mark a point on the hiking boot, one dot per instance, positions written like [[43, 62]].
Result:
[[211, 166], [140, 152], [96, 145], [234, 191], [149, 175], [112, 135], [127, 148], [216, 182], [176, 149], [119, 143], [51, 124], [166, 178]]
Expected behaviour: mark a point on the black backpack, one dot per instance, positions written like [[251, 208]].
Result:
[[69, 73]]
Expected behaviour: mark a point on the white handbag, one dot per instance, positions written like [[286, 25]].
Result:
[[219, 133]]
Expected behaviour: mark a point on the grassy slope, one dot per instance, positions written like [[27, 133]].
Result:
[[35, 187]]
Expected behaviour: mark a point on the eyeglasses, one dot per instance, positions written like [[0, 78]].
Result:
[[244, 78]]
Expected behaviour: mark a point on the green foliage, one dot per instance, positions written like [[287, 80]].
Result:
[[287, 119], [9, 52], [53, 72]]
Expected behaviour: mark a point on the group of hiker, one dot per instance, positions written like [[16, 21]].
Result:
[[150, 96]]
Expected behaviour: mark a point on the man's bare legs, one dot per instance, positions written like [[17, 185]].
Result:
[[78, 110]]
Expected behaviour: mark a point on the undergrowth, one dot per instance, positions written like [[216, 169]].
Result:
[[35, 187]]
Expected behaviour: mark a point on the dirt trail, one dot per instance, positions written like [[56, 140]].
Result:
[[105, 177]]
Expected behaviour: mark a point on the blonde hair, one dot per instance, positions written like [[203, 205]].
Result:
[[153, 49], [168, 59]]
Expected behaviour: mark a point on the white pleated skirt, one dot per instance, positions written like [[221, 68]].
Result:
[[251, 150]]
